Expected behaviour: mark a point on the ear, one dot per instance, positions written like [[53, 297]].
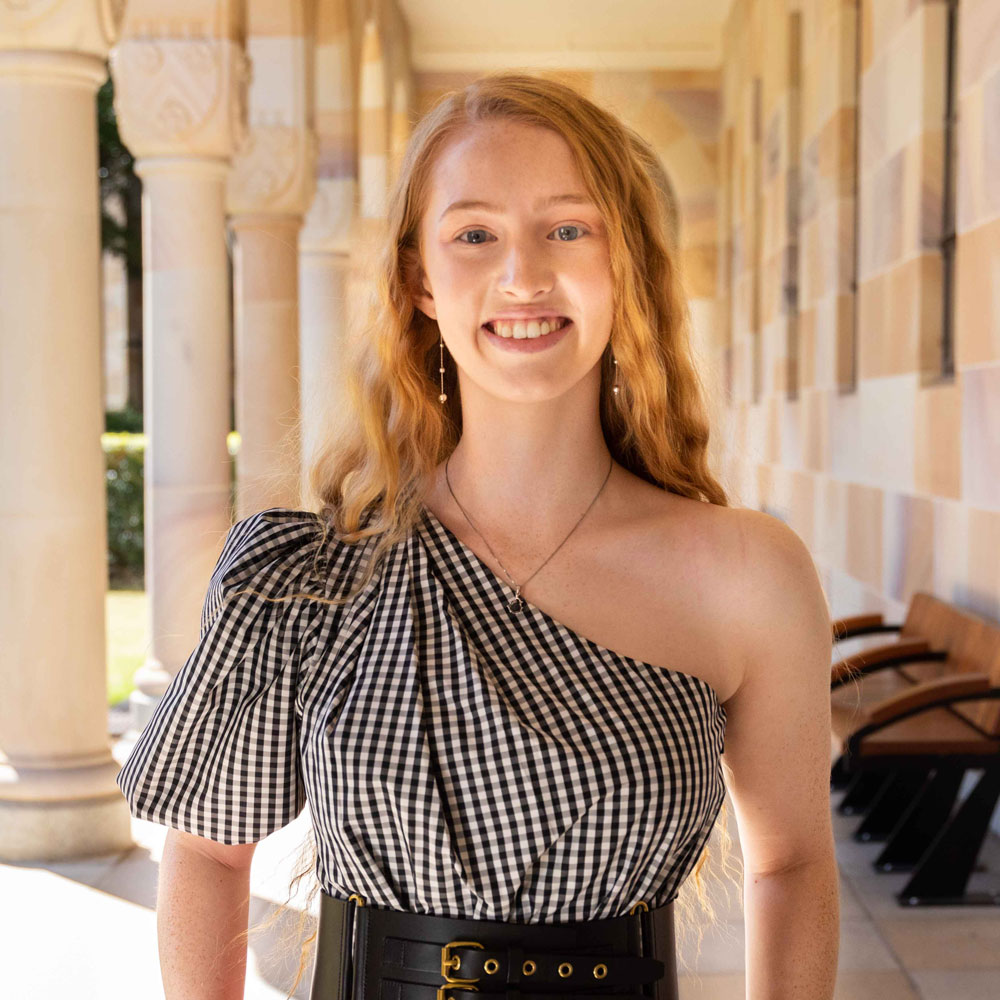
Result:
[[424, 301]]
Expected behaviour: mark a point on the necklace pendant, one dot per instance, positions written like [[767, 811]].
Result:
[[515, 605]]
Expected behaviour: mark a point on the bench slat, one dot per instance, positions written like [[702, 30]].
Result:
[[936, 731], [922, 694]]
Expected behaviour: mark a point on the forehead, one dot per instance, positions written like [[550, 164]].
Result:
[[503, 162]]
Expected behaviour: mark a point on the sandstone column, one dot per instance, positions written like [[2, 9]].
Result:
[[400, 124], [58, 797], [374, 130], [269, 190], [180, 90], [326, 239], [373, 170]]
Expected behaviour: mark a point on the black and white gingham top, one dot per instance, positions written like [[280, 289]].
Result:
[[457, 759]]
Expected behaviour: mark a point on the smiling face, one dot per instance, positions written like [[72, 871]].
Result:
[[527, 250]]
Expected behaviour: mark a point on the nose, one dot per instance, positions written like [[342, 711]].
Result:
[[526, 272]]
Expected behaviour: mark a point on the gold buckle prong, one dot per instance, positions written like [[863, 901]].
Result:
[[449, 962]]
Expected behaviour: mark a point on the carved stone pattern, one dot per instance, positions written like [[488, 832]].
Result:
[[329, 222], [86, 26], [273, 169], [170, 91], [266, 164], [27, 11]]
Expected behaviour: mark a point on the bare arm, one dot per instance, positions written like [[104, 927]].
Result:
[[202, 905], [778, 748], [792, 931]]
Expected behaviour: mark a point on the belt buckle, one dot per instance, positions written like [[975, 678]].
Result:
[[449, 962]]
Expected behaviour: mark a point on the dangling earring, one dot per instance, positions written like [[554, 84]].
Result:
[[614, 388], [443, 396]]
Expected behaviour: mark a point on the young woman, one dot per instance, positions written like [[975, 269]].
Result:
[[502, 657]]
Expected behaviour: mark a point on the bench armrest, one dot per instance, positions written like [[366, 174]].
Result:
[[855, 625], [929, 691], [881, 657], [853, 745]]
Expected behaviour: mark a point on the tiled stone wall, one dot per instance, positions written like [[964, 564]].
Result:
[[887, 466]]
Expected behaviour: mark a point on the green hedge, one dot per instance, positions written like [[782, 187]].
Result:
[[123, 464], [124, 453], [118, 421]]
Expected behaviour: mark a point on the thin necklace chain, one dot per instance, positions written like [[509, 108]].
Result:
[[516, 603]]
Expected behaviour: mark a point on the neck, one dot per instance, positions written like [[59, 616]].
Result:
[[528, 470]]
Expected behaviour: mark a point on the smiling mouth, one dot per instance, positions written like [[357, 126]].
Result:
[[521, 330]]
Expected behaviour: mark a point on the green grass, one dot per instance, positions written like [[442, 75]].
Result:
[[127, 642]]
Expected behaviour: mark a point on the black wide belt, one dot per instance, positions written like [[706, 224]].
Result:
[[367, 952]]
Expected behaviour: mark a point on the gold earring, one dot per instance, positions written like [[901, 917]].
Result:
[[443, 395], [614, 388]]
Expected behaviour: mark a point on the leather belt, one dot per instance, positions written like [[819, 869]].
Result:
[[368, 952]]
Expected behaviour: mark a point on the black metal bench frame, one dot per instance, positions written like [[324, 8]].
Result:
[[909, 800]]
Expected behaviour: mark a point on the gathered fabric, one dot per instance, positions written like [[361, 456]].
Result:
[[455, 759]]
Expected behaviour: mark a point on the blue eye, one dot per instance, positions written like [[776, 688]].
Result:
[[560, 229], [467, 232]]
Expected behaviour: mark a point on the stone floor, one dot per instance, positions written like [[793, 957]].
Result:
[[99, 914]]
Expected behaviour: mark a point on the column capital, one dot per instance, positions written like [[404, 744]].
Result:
[[330, 222], [89, 28], [274, 171], [180, 95]]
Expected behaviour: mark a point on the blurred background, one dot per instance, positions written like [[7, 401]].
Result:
[[187, 193]]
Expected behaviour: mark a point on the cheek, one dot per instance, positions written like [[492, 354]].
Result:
[[460, 282], [454, 272], [596, 283], [446, 270]]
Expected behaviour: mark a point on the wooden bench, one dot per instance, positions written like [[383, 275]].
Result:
[[938, 641], [923, 616], [909, 719], [924, 637]]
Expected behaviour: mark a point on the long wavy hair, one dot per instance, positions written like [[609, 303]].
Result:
[[369, 473]]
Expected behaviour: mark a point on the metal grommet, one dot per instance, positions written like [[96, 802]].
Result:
[[491, 965], [528, 968], [600, 971], [565, 969], [641, 903]]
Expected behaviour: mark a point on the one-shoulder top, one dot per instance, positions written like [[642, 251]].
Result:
[[456, 758]]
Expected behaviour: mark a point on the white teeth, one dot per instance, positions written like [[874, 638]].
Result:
[[531, 330]]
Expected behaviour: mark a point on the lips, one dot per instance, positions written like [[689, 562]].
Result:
[[527, 344]]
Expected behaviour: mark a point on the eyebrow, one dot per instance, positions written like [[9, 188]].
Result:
[[555, 199]]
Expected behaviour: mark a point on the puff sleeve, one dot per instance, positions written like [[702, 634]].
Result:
[[219, 757]]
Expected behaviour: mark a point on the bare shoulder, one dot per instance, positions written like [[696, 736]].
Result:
[[753, 576], [782, 604], [692, 553], [774, 560]]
